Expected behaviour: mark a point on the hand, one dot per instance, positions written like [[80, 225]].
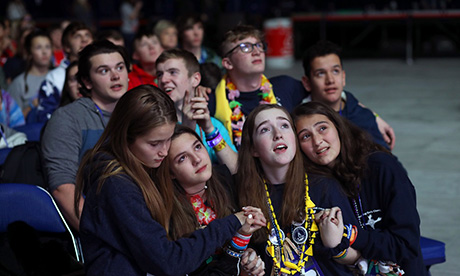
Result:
[[387, 132], [200, 113], [252, 264], [331, 228], [187, 112], [202, 91], [251, 219]]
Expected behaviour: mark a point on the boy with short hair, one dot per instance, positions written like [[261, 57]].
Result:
[[146, 49], [179, 75], [76, 127], [324, 78]]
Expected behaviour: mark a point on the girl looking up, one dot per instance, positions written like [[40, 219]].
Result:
[[271, 176], [126, 219], [376, 185], [204, 193]]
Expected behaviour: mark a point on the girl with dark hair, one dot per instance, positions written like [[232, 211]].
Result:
[[126, 222], [204, 193], [24, 88], [376, 185], [71, 90], [271, 176]]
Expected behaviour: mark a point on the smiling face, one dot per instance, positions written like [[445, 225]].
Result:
[[318, 138], [108, 79], [274, 139], [152, 147], [326, 80], [190, 164], [174, 79], [241, 63]]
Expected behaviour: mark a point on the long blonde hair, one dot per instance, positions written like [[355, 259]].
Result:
[[137, 112], [250, 177]]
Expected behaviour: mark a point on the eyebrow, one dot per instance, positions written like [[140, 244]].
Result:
[[106, 66], [277, 118], [180, 153], [315, 124]]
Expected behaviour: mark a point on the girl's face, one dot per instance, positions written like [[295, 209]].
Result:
[[152, 147], [41, 51], [193, 37], [274, 139], [169, 38], [318, 138], [73, 84], [190, 163]]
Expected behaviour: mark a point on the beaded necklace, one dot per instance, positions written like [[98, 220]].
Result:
[[275, 246], [237, 117]]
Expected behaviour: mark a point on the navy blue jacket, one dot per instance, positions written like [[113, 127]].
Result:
[[120, 237]]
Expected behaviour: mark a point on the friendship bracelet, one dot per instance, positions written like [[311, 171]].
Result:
[[215, 141], [222, 144], [212, 135], [341, 255], [233, 253], [242, 236]]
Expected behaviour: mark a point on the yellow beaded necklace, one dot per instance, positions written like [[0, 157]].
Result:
[[280, 262]]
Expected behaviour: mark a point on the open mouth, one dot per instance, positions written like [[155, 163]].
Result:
[[169, 90], [280, 148]]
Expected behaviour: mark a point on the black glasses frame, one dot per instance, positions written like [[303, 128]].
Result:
[[264, 47]]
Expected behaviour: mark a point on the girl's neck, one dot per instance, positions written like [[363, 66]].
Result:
[[38, 70], [198, 189], [275, 175]]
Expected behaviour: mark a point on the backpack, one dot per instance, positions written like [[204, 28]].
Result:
[[24, 164]]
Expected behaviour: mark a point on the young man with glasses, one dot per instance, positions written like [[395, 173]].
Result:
[[244, 86]]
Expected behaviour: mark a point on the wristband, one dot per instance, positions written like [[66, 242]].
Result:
[[212, 135], [215, 141], [222, 144]]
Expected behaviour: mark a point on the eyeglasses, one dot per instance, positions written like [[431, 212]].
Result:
[[247, 47]]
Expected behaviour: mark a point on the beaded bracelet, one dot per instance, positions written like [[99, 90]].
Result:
[[233, 253]]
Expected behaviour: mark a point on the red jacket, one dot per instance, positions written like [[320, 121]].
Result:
[[138, 76]]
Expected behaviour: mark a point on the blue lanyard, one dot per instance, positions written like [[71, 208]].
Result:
[[101, 115]]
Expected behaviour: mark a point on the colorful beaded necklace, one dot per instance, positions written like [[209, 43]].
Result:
[[238, 117], [280, 263]]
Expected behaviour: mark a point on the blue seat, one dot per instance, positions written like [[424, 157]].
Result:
[[34, 206], [433, 251], [32, 130]]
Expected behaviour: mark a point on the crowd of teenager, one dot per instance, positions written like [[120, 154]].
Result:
[[177, 159]]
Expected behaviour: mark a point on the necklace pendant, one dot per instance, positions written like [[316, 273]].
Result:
[[274, 239], [300, 235]]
